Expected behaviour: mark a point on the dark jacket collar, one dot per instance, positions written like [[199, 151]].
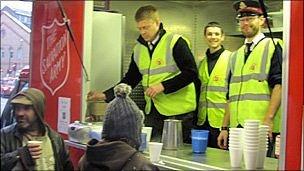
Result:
[[19, 134], [216, 54], [106, 154]]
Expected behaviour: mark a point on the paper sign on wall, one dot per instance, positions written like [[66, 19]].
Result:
[[64, 114]]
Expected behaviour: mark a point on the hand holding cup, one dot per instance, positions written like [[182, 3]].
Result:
[[35, 149]]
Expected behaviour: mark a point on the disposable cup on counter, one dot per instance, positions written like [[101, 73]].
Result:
[[235, 141], [155, 149], [250, 159], [261, 158], [199, 140], [251, 148], [264, 127], [252, 122], [235, 136], [251, 142], [235, 146], [236, 155], [239, 130], [148, 131], [251, 131]]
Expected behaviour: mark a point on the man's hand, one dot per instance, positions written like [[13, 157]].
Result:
[[35, 150], [154, 90], [222, 139], [94, 96], [269, 122]]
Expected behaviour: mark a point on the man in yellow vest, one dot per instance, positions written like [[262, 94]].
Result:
[[166, 68], [256, 75], [213, 74]]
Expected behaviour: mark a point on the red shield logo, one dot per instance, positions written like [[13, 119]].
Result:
[[216, 78], [55, 56]]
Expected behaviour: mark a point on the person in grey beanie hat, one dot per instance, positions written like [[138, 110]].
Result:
[[118, 149], [123, 113]]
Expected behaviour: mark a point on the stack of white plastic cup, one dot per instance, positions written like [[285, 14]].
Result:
[[251, 143], [235, 147], [263, 145]]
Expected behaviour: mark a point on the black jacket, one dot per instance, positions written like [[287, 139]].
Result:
[[12, 150], [113, 156], [183, 58]]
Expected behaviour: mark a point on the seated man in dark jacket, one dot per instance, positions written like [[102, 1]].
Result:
[[118, 150], [16, 151]]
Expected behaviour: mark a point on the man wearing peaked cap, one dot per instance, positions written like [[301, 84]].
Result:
[[256, 75], [16, 151]]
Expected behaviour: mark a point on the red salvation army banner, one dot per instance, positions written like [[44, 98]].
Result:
[[55, 66]]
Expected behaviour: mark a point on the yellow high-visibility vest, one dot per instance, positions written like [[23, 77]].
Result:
[[160, 67], [249, 92], [213, 90]]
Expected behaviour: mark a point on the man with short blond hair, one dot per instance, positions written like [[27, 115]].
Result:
[[165, 66]]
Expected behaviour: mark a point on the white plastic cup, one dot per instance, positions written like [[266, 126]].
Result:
[[235, 141], [252, 121], [35, 142], [261, 158], [251, 148], [250, 159], [235, 129], [236, 155], [235, 146], [251, 141], [154, 151], [148, 131], [264, 127], [38, 161], [238, 139]]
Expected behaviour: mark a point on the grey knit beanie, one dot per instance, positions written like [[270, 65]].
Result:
[[123, 119]]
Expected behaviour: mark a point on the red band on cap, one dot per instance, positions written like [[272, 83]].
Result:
[[251, 9]]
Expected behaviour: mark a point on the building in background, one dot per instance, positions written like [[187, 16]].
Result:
[[15, 40], [23, 16]]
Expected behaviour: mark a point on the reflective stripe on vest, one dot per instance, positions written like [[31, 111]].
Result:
[[249, 92], [160, 67], [213, 91]]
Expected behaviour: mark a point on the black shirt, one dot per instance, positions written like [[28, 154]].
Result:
[[183, 58], [212, 58]]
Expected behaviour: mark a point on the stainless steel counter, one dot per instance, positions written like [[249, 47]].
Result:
[[184, 159], [213, 159]]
